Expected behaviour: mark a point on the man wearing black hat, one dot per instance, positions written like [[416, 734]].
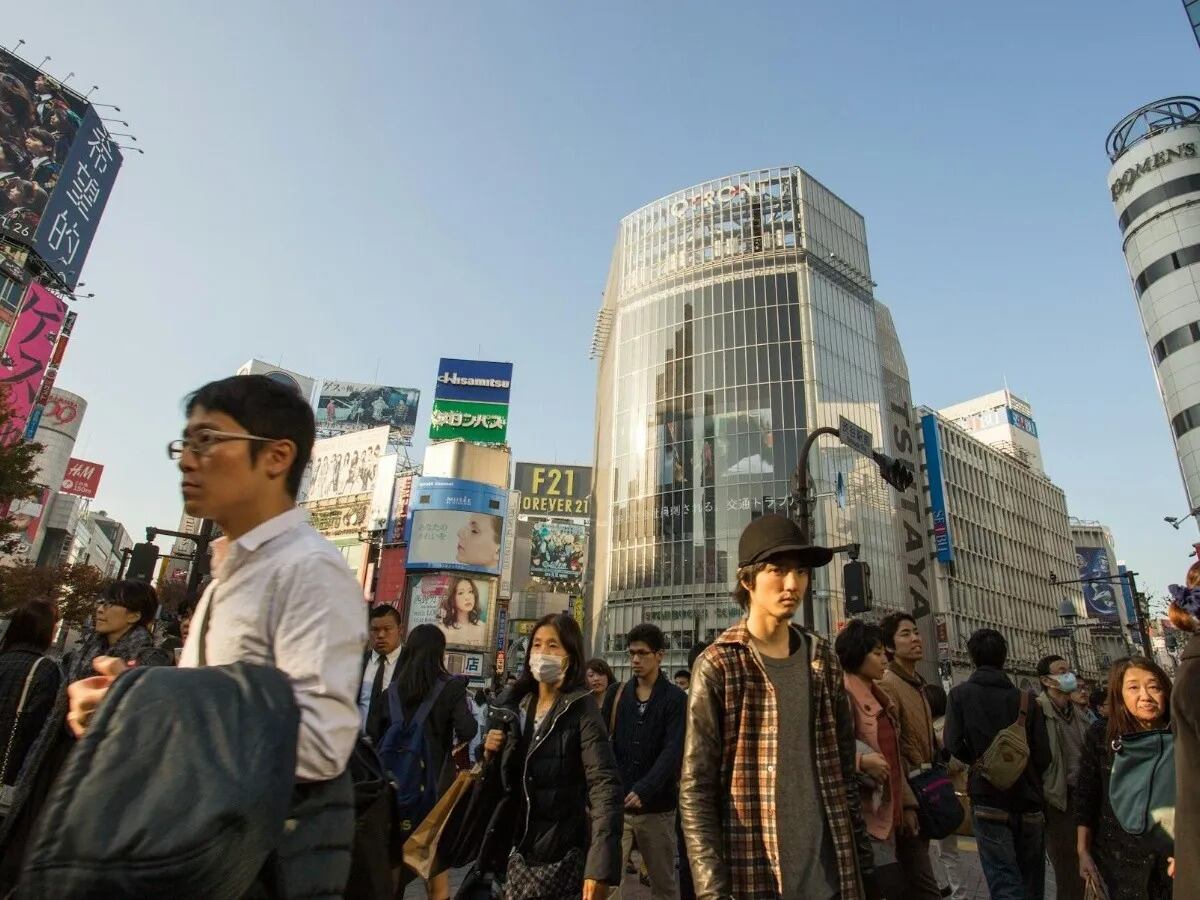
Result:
[[767, 796]]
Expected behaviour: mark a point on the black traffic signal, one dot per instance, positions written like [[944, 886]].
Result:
[[142, 560], [856, 576], [896, 472]]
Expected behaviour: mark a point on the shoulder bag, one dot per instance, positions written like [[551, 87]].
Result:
[[1141, 788], [7, 791]]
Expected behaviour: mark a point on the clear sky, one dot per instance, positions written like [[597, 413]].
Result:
[[356, 189]]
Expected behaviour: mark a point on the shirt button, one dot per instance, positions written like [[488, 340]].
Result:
[[771, 769]]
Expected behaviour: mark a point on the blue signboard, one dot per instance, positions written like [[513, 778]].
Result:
[[1127, 595], [456, 525], [473, 380], [73, 211], [1019, 420], [942, 541], [1099, 597]]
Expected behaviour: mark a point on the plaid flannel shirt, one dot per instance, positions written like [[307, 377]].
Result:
[[751, 757]]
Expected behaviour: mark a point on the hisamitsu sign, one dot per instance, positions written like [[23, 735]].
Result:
[[473, 380]]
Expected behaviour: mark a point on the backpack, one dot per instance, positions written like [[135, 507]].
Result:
[[178, 789], [1006, 757], [406, 754]]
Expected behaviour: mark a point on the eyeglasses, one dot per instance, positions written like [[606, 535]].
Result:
[[201, 442], [637, 654]]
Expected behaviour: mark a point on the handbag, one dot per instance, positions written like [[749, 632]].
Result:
[[939, 813], [1142, 786], [562, 880], [421, 848], [8, 791]]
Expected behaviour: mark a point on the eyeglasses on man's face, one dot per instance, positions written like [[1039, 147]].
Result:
[[202, 441], [638, 654]]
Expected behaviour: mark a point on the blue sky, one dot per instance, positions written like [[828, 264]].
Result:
[[360, 188]]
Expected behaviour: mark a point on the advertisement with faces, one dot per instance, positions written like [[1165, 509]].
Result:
[[344, 466], [456, 524], [459, 604]]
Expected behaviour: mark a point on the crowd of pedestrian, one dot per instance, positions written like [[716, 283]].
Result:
[[776, 765]]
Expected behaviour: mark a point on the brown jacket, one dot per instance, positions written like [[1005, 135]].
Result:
[[1185, 714], [916, 719]]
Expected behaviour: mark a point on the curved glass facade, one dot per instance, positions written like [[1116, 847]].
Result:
[[738, 314]]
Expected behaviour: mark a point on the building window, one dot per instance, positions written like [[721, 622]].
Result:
[[1181, 337], [1160, 268]]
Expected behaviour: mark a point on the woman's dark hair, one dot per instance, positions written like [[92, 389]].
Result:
[[572, 640], [450, 611], [600, 667], [1120, 719], [855, 642], [481, 697], [421, 663], [935, 696], [497, 527], [135, 596], [32, 623], [267, 408]]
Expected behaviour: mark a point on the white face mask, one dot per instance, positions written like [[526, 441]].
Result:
[[546, 668]]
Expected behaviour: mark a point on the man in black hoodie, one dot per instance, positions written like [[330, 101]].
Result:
[[1010, 824]]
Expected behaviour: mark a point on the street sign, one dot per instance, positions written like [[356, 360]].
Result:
[[854, 437]]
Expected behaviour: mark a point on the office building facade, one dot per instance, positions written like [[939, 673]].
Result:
[[1001, 420], [738, 315], [1154, 184]]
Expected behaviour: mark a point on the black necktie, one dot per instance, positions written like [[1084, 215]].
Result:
[[375, 707]]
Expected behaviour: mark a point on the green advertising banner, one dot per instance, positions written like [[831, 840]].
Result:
[[480, 423]]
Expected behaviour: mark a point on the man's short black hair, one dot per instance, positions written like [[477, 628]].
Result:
[[648, 634], [386, 609], [1044, 664], [891, 624], [987, 647], [694, 653], [684, 673], [136, 596], [855, 641], [267, 408], [935, 694]]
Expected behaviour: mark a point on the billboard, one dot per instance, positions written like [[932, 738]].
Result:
[[345, 406], [59, 165], [557, 551], [456, 524], [27, 353], [1099, 597], [301, 384], [479, 423], [379, 516], [473, 380], [390, 576], [942, 541], [344, 466], [549, 489], [82, 478], [460, 605]]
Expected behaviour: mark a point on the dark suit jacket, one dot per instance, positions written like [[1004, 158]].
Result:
[[362, 673], [1185, 716]]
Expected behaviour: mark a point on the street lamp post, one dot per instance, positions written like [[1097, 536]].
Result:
[[1066, 612]]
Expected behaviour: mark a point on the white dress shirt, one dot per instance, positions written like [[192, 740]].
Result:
[[368, 681], [283, 596]]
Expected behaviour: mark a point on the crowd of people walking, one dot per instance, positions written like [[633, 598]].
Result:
[[779, 764]]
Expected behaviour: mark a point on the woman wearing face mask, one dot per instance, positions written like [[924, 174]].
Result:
[[564, 829], [1139, 694]]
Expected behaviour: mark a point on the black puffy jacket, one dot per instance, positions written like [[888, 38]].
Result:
[[569, 787]]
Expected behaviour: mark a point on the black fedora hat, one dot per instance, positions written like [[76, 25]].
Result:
[[773, 535]]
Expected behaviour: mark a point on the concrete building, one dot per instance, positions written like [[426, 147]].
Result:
[[1001, 420], [739, 314], [1154, 184], [999, 529]]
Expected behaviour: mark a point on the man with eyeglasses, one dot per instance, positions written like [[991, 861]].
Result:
[[647, 723], [281, 595], [120, 631]]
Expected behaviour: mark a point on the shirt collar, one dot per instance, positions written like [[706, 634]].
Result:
[[393, 656], [226, 555]]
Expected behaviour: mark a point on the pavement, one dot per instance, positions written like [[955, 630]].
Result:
[[974, 887]]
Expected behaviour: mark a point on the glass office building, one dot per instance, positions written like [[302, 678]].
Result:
[[737, 315]]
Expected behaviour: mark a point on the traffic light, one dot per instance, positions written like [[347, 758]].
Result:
[[856, 576], [896, 472], [142, 560]]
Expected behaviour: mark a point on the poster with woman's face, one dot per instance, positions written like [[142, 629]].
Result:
[[456, 539], [460, 605]]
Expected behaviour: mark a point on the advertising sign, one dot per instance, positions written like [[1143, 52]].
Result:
[[557, 551], [82, 478], [942, 540], [1099, 597], [460, 605], [473, 380], [28, 351], [456, 524], [1022, 421], [400, 500], [552, 490], [346, 517], [1127, 595], [344, 466], [390, 576], [380, 512], [510, 545], [467, 664], [345, 406], [480, 423]]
